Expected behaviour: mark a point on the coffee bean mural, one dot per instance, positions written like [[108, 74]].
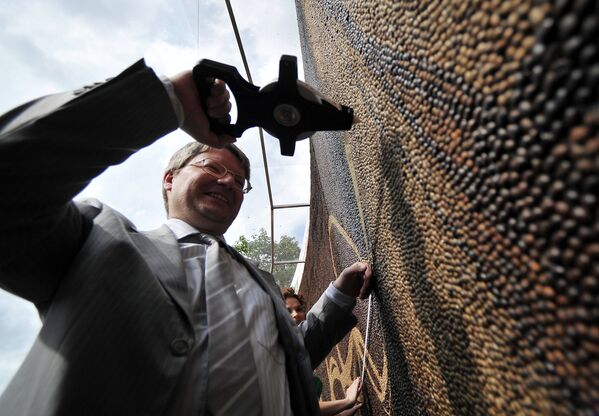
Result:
[[471, 186]]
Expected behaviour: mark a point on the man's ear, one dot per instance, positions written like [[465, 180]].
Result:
[[167, 180]]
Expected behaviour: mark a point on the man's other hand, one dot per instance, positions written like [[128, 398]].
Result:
[[355, 280]]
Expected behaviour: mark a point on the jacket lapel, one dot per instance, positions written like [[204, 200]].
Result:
[[161, 251]]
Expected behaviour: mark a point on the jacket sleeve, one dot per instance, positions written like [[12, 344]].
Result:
[[326, 324], [50, 149]]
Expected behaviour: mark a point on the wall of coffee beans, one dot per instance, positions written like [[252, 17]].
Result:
[[471, 185]]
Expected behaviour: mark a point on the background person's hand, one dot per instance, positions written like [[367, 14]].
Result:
[[353, 391], [343, 407], [196, 122]]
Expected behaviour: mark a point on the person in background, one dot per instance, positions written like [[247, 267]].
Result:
[[140, 322], [296, 305]]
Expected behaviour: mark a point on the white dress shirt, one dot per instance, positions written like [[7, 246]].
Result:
[[258, 315]]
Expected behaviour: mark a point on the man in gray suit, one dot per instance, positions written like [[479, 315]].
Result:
[[126, 318]]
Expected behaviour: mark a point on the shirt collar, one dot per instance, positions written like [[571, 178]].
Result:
[[182, 229]]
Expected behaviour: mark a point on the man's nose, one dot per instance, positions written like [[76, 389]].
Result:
[[228, 179]]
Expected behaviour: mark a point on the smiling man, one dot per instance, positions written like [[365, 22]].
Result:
[[165, 322], [205, 186]]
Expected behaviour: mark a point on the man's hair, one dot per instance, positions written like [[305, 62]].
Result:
[[289, 292], [184, 155]]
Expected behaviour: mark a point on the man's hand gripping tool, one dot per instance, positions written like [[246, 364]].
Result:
[[288, 109]]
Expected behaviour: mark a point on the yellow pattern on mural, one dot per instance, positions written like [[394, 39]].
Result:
[[340, 368], [334, 222]]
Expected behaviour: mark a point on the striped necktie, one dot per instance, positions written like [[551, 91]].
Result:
[[233, 382]]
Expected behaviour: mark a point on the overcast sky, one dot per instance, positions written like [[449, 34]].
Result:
[[49, 46]]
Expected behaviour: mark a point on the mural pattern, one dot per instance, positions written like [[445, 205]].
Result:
[[471, 186]]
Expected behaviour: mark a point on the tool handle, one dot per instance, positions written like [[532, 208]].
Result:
[[204, 74]]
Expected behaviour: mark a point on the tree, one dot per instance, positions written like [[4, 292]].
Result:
[[257, 248]]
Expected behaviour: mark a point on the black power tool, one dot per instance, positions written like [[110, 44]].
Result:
[[287, 109]]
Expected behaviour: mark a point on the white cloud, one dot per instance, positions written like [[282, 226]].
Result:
[[19, 325]]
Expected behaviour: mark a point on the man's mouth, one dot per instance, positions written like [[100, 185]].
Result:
[[219, 197]]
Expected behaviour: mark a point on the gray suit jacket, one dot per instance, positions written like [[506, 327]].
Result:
[[116, 319]]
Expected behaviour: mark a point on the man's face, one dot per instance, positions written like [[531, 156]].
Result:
[[208, 203]]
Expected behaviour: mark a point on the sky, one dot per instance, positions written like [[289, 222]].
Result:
[[48, 46]]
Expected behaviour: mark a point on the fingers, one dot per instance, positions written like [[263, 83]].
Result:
[[357, 267], [218, 104], [218, 87], [355, 280], [366, 282], [195, 122], [353, 389], [358, 383]]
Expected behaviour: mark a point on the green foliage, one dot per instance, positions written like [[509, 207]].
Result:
[[243, 245], [257, 248]]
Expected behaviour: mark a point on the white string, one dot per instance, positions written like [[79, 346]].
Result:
[[366, 338]]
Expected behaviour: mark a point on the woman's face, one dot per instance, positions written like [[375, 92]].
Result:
[[296, 309]]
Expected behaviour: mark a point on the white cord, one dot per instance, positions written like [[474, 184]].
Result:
[[366, 338]]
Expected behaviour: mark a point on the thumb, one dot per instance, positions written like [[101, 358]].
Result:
[[356, 268]]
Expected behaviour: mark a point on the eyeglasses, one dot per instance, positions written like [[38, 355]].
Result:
[[219, 171]]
